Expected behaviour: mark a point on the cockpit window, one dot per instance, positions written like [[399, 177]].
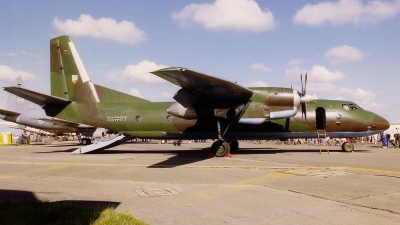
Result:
[[350, 106]]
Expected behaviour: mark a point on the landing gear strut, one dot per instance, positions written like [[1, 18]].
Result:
[[222, 148]]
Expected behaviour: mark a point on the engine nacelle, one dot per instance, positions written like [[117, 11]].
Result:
[[229, 113], [180, 111], [283, 103], [272, 103]]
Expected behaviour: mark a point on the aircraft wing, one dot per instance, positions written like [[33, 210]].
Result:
[[201, 88], [35, 97], [8, 113], [65, 123]]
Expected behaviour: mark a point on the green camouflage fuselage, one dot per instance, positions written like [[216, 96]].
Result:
[[103, 107]]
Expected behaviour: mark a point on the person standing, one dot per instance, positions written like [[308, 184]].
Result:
[[396, 138], [384, 140]]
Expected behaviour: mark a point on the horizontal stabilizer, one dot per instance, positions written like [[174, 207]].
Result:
[[8, 113], [35, 97]]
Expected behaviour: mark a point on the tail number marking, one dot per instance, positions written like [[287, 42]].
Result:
[[116, 118]]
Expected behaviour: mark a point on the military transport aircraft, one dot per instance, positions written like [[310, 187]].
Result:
[[21, 111], [207, 108]]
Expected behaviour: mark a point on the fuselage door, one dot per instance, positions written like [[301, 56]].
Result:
[[320, 117]]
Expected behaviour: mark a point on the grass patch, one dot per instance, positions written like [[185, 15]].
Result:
[[57, 213]]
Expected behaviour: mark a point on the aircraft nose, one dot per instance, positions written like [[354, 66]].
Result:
[[380, 123]]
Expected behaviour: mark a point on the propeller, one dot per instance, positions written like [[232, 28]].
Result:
[[304, 98]]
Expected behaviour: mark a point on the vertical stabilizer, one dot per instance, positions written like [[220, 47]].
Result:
[[69, 79], [15, 103]]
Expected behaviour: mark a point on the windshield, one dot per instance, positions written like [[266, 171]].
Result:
[[350, 106]]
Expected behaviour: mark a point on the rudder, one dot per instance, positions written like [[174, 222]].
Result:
[[69, 79]]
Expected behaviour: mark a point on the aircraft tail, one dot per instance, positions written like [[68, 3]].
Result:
[[69, 79]]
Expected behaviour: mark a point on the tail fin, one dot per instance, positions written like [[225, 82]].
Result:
[[12, 100], [18, 104], [69, 79]]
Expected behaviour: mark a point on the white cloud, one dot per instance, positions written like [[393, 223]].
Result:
[[321, 74], [259, 67], [363, 98], [139, 73], [293, 74], [237, 15], [357, 94], [135, 92], [319, 79], [343, 54], [257, 84], [346, 12], [9, 74], [104, 28]]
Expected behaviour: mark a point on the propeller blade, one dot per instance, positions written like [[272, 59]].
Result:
[[301, 79], [304, 111], [305, 85]]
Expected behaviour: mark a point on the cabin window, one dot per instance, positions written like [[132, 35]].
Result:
[[138, 118], [168, 118]]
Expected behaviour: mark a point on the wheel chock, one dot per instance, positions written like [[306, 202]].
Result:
[[211, 155], [228, 155]]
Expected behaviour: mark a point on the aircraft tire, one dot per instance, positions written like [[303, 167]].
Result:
[[347, 147], [86, 141], [220, 148], [234, 144]]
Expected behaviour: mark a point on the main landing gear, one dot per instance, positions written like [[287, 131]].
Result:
[[348, 147], [221, 147]]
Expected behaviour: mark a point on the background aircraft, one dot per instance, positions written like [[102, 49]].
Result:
[[207, 108], [21, 111]]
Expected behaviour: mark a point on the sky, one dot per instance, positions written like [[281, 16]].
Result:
[[349, 48]]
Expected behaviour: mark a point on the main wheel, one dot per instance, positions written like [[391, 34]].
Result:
[[86, 141], [234, 144], [347, 147], [220, 148]]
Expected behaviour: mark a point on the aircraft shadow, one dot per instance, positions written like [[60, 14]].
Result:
[[179, 157], [188, 156], [22, 207], [60, 151], [246, 151], [60, 146]]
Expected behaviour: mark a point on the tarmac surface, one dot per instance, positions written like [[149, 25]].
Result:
[[261, 184]]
